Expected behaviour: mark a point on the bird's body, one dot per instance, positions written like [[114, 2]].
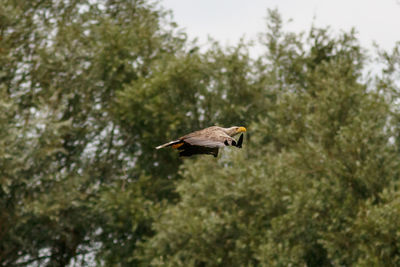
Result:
[[206, 141]]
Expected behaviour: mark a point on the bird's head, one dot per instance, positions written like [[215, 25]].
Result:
[[232, 131]]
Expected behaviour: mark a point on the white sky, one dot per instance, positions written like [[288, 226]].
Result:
[[229, 20]]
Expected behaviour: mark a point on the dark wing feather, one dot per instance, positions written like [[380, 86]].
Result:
[[188, 150], [240, 141]]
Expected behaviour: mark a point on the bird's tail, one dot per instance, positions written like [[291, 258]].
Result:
[[172, 143]]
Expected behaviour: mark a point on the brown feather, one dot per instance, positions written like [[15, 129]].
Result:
[[206, 141]]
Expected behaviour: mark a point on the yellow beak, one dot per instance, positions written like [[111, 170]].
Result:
[[241, 129]]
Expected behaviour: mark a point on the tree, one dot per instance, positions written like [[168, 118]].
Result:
[[62, 151], [89, 88], [319, 160]]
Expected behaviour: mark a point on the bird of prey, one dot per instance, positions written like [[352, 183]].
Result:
[[206, 141]]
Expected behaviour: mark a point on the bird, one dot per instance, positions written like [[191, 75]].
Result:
[[206, 141]]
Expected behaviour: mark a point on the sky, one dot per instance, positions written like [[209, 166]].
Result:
[[229, 20]]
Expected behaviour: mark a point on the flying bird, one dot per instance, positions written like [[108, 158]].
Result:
[[206, 141]]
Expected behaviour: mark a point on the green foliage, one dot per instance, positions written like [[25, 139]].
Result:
[[376, 231], [317, 157], [62, 149], [89, 88]]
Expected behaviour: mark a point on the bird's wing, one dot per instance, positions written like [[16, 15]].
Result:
[[240, 141], [215, 138]]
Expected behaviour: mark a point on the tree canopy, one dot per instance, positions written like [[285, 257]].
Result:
[[89, 88]]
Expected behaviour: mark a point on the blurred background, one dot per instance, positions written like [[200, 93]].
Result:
[[89, 88]]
